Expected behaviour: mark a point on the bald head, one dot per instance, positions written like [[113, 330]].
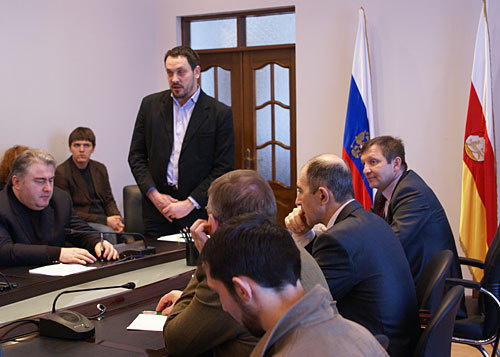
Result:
[[327, 159], [330, 171]]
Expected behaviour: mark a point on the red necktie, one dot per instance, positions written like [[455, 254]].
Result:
[[380, 206]]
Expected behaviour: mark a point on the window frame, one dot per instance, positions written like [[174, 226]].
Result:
[[240, 25]]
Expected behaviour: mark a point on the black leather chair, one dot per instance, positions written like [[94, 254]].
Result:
[[431, 285], [436, 338], [132, 209], [481, 327]]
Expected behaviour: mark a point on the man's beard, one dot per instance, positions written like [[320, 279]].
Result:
[[250, 319]]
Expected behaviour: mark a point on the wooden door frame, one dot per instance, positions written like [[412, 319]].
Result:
[[219, 58], [242, 85]]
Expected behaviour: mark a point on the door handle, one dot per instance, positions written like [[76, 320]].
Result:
[[248, 159]]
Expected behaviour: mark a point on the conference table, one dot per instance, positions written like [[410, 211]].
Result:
[[153, 275], [29, 285]]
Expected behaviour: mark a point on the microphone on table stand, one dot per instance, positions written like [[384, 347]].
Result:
[[71, 324]]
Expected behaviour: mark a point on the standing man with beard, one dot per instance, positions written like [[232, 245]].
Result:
[[183, 140]]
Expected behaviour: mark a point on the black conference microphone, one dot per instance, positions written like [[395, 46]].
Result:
[[137, 251], [71, 324]]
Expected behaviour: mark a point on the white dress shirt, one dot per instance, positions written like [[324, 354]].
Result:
[[306, 238], [182, 115]]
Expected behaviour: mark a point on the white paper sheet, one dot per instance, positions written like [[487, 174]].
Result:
[[60, 269], [146, 322], [173, 238]]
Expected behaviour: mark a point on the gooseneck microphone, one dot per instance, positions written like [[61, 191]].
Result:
[[129, 285], [141, 252], [71, 324]]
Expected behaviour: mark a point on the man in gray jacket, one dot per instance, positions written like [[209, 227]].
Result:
[[254, 266]]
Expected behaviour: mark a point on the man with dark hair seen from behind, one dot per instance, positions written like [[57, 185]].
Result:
[[87, 182], [183, 140], [35, 217], [254, 266], [196, 323], [405, 201], [363, 262]]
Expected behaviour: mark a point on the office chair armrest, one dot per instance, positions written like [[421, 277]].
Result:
[[473, 285], [465, 283], [471, 262]]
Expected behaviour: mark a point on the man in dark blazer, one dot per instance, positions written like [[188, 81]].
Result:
[[183, 140], [87, 182], [35, 218], [406, 202], [363, 262]]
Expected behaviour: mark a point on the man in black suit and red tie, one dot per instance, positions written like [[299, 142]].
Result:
[[183, 139], [406, 202]]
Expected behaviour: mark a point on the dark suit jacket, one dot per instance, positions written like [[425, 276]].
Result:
[[69, 179], [420, 223], [207, 150], [18, 243], [368, 275]]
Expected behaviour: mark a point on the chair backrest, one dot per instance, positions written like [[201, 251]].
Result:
[[431, 285], [132, 209], [436, 338], [491, 282]]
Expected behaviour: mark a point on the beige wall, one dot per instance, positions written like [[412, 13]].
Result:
[[74, 63], [69, 63], [421, 59]]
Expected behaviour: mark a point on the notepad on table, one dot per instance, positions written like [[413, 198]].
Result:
[[173, 238], [148, 322], [60, 269]]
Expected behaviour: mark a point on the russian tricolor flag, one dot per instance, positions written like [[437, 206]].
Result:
[[359, 118]]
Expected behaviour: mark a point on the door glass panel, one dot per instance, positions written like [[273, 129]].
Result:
[[220, 33], [207, 82], [264, 128], [282, 165], [282, 124], [264, 162], [281, 86], [263, 85], [224, 86], [270, 29]]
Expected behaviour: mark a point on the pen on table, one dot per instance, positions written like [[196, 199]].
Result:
[[102, 247], [151, 312]]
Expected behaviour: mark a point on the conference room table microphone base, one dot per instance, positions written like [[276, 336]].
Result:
[[66, 324]]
